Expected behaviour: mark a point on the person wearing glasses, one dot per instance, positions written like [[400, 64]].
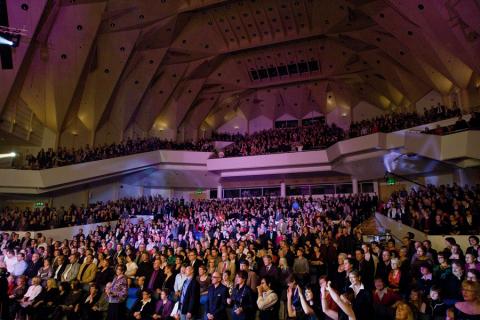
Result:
[[215, 307], [267, 300]]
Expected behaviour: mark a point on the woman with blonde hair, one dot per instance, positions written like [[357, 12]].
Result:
[[403, 312], [395, 275], [469, 309]]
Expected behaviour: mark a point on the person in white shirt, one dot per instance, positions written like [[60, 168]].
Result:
[[179, 280], [29, 298], [10, 260], [267, 299]]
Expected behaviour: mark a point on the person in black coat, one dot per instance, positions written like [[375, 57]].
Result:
[[452, 282], [189, 301], [58, 271], [268, 270], [194, 261], [242, 300], [365, 268], [154, 279], [362, 303], [144, 266], [217, 299], [144, 308]]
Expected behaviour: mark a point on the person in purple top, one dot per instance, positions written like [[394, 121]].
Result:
[[117, 293]]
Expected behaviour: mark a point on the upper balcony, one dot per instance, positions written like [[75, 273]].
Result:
[[40, 181], [460, 148], [366, 157]]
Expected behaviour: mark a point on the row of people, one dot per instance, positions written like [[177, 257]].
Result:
[[319, 135], [444, 209], [66, 156], [290, 247], [400, 121], [459, 125]]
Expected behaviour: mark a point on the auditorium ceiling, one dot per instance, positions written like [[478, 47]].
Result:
[[92, 71]]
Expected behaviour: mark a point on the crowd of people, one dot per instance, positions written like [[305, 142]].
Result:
[[440, 210], [320, 135], [45, 217], [399, 121], [50, 158], [255, 258], [277, 140], [311, 137], [459, 125]]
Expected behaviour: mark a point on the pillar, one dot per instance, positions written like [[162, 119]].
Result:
[[283, 189], [219, 192], [354, 185], [375, 187], [464, 100]]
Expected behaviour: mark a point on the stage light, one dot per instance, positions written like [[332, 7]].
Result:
[[8, 155]]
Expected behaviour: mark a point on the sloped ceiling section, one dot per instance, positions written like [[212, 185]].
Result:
[[94, 71]]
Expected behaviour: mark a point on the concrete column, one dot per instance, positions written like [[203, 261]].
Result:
[[354, 185], [219, 192], [446, 100], [283, 189], [464, 100], [375, 187]]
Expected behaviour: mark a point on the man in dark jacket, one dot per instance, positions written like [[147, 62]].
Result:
[[217, 299], [189, 296]]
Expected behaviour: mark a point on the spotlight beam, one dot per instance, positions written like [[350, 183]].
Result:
[[5, 41], [8, 155]]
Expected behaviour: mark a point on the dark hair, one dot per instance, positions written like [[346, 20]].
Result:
[[148, 291], [361, 250], [437, 289], [242, 274], [474, 238], [268, 280], [350, 261], [427, 266], [349, 294], [245, 262], [451, 240], [293, 278], [166, 291], [475, 272]]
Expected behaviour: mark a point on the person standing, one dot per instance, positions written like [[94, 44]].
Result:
[[267, 300], [242, 298], [189, 296], [217, 299], [117, 293]]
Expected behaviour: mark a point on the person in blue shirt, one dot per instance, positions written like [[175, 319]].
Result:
[[21, 265]]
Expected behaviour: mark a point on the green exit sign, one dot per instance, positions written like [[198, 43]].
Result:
[[199, 191], [391, 181], [39, 204]]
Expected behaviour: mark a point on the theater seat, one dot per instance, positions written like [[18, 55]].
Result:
[[131, 297]]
